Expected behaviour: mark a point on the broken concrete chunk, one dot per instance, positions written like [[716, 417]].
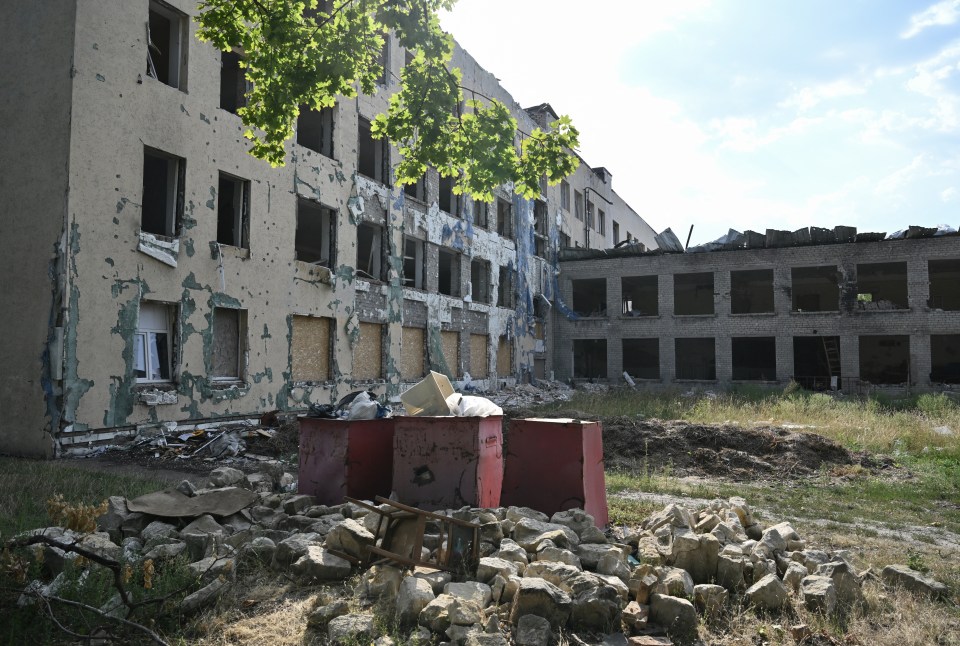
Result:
[[533, 630], [204, 596], [541, 598], [674, 582], [635, 617], [479, 593], [849, 594], [596, 609], [435, 615], [907, 578], [819, 594], [226, 477], [350, 537], [490, 567], [677, 616], [320, 565], [576, 519], [768, 593], [381, 582], [710, 599], [412, 597], [350, 629]]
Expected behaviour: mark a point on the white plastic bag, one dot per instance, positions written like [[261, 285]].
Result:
[[362, 407], [472, 406]]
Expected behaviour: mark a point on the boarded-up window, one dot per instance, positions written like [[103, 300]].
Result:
[[368, 352], [311, 348], [227, 349], [504, 358], [450, 343], [412, 351], [479, 366]]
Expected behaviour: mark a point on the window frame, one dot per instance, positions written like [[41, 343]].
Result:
[[178, 45], [241, 211], [142, 335], [241, 315], [174, 189]]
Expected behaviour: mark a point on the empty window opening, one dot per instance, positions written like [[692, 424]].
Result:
[[616, 232], [590, 296], [885, 359], [368, 352], [163, 177], [450, 345], [315, 129], [945, 358], [413, 350], [311, 348], [371, 258], [448, 273], [480, 281], [640, 295], [417, 190], [414, 263], [372, 156], [480, 214], [564, 195], [383, 61], [590, 358], [166, 45], [815, 289], [601, 222], [446, 200], [564, 240], [504, 218], [227, 356], [541, 225], [589, 222], [479, 361], [233, 212], [882, 286], [578, 204], [696, 358], [233, 83], [944, 278], [314, 241], [816, 362], [754, 358], [693, 294], [153, 351], [641, 358], [504, 357], [505, 296], [751, 291]]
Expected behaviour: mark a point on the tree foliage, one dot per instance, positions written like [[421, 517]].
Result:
[[298, 54]]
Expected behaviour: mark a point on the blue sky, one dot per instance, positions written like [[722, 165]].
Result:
[[746, 114]]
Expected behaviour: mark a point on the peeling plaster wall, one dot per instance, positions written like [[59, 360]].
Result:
[[36, 108], [111, 267]]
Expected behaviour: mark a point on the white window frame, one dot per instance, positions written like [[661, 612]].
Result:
[[154, 319], [176, 75]]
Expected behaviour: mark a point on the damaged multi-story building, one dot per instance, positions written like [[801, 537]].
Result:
[[157, 274], [827, 308]]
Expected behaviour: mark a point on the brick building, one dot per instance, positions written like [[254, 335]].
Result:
[[874, 313], [163, 275]]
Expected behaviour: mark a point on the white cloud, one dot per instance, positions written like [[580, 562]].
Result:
[[948, 194], [946, 12], [893, 184], [743, 134], [809, 97]]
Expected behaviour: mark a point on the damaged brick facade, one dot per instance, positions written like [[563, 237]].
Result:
[[163, 275], [851, 315]]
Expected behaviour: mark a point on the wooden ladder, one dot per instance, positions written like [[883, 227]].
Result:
[[831, 348]]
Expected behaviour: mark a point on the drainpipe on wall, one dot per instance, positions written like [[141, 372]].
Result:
[[586, 222]]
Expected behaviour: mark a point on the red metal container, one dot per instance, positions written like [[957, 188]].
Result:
[[448, 462], [345, 458], [555, 464]]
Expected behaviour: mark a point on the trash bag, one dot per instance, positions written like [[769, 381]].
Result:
[[363, 407], [472, 406], [323, 411]]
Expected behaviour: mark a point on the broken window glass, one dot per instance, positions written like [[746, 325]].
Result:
[[233, 212], [166, 47], [152, 343]]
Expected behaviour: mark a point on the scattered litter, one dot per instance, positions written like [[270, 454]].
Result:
[[943, 430]]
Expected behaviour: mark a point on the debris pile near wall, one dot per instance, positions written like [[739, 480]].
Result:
[[649, 584]]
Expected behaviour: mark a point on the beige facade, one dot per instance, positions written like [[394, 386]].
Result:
[[165, 275]]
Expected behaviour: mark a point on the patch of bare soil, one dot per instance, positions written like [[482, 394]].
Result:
[[722, 450]]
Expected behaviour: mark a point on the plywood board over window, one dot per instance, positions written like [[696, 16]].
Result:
[[368, 352], [228, 343], [479, 365], [450, 343], [504, 358], [412, 351], [310, 348]]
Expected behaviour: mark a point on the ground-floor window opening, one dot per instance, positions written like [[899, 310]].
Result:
[[590, 358], [154, 341], [228, 350], [945, 358], [816, 362], [368, 352], [885, 359], [640, 295], [450, 345], [696, 358], [754, 358], [311, 348], [413, 348], [641, 358], [589, 296], [479, 363], [504, 357]]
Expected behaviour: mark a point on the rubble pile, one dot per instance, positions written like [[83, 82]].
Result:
[[649, 584], [527, 395]]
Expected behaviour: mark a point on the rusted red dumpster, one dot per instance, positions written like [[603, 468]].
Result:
[[345, 458], [555, 464], [448, 462]]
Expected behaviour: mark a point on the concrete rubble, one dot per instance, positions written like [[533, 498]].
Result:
[[536, 575]]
